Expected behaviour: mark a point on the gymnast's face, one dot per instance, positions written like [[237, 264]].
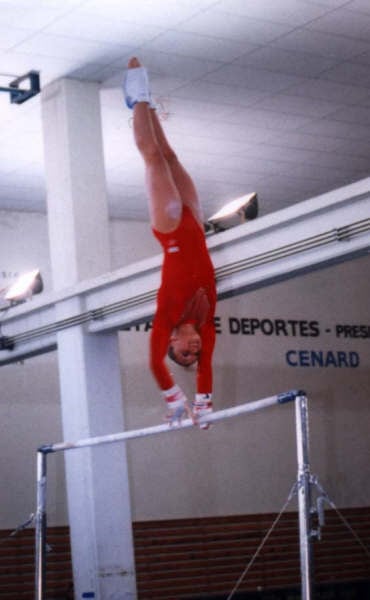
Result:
[[186, 346]]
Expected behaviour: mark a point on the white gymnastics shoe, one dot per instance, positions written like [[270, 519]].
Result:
[[136, 86]]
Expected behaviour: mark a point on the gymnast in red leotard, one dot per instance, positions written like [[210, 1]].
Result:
[[183, 325]]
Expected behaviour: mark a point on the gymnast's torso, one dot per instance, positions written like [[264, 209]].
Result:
[[187, 271]]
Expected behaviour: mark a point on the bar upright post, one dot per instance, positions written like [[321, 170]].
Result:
[[40, 531], [304, 496]]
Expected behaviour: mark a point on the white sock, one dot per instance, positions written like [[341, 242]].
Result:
[[136, 86]]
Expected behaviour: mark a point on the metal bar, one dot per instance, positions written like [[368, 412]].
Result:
[[40, 527], [43, 451], [304, 496], [137, 433], [10, 89]]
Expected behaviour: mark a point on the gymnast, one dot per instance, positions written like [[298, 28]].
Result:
[[183, 325]]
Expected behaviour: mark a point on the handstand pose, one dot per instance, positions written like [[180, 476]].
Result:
[[183, 324]]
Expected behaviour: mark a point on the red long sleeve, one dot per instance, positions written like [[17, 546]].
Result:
[[204, 372], [159, 340]]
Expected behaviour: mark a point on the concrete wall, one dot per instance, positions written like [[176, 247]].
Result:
[[264, 346]]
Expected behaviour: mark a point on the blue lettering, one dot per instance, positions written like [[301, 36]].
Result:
[[342, 359], [354, 359], [289, 358], [319, 358], [304, 358], [330, 359]]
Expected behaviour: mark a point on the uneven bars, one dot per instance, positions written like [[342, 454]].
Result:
[[298, 396], [227, 413]]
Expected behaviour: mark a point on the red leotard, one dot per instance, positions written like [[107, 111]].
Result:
[[187, 294]]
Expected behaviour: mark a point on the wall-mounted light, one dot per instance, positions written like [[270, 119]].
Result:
[[26, 286], [21, 290], [233, 213]]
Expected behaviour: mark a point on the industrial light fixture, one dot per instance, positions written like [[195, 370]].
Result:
[[24, 287], [233, 213], [21, 290]]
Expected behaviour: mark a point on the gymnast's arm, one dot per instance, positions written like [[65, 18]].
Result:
[[159, 341], [204, 372]]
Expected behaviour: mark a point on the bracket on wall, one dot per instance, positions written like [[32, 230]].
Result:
[[19, 95]]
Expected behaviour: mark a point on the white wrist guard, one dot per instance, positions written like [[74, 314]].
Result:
[[203, 400], [174, 396], [202, 406], [177, 406]]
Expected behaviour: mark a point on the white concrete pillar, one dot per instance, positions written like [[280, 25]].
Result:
[[89, 364], [75, 177]]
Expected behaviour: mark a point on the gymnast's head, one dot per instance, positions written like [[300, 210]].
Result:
[[185, 345]]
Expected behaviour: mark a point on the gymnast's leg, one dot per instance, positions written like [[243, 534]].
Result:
[[164, 198], [181, 177]]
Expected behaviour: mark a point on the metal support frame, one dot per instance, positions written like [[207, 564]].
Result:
[[18, 95], [304, 477], [40, 525], [304, 496]]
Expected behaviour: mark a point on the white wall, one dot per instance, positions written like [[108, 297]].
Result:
[[24, 245], [240, 466]]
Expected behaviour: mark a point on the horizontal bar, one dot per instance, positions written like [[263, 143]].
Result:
[[17, 93], [165, 428]]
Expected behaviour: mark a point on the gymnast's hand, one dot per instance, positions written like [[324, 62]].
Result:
[[202, 407], [177, 406]]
